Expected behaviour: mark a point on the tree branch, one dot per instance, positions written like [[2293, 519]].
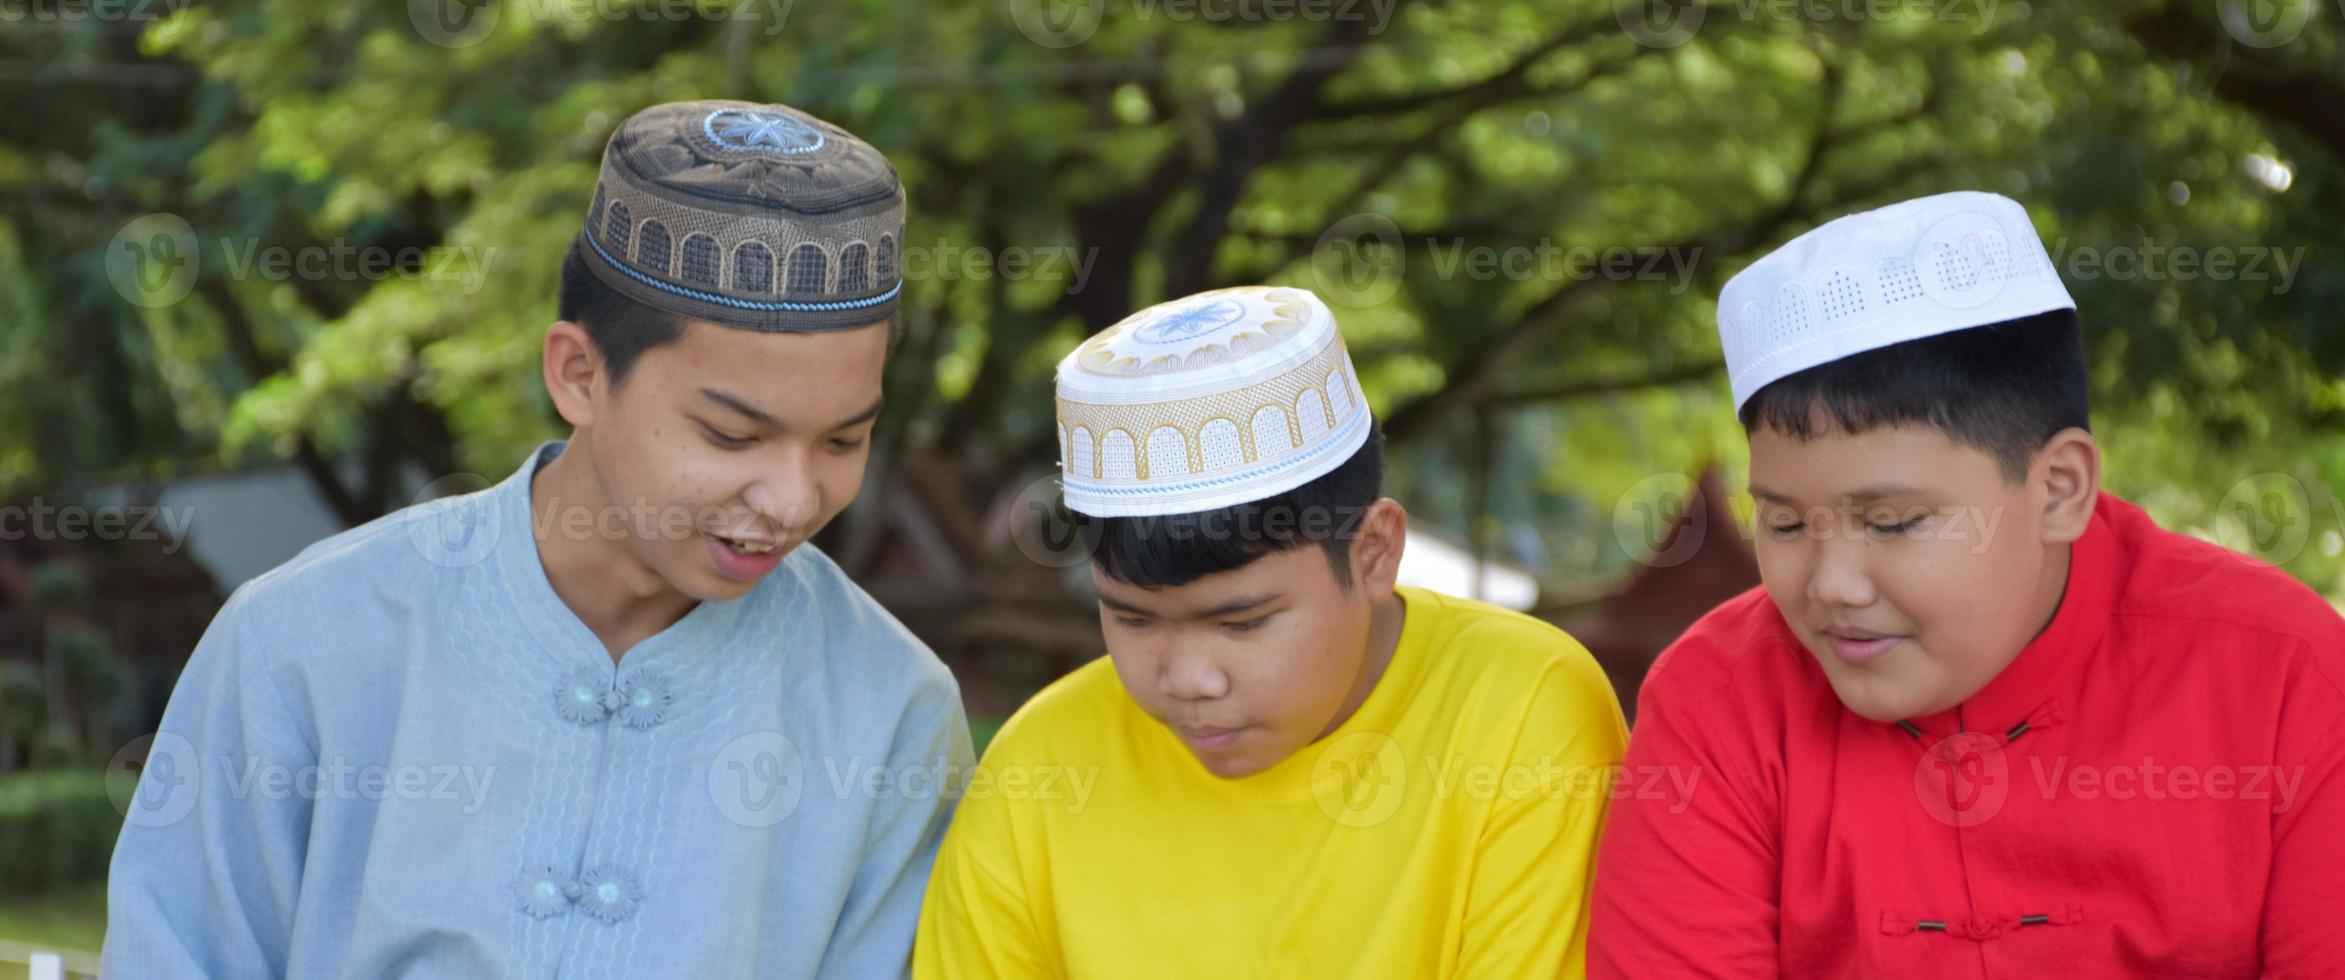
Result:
[[1472, 375], [2311, 102], [257, 363], [1248, 142], [1510, 82], [1565, 391]]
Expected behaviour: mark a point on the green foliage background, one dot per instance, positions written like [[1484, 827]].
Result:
[[1179, 153]]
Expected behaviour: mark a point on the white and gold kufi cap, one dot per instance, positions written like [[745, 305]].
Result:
[[1213, 400]]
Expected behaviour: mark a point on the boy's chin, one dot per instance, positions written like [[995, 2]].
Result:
[[1875, 710], [706, 585], [1237, 764], [1226, 768], [1888, 702]]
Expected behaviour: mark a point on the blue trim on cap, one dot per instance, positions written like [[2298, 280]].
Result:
[[838, 306]]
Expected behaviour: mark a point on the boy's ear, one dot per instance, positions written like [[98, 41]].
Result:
[[2069, 470], [1376, 550], [573, 364]]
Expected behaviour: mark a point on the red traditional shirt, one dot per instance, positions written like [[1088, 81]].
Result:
[[2151, 788]]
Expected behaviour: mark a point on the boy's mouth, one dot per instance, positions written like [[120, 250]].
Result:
[[1858, 646], [743, 559], [747, 547], [1207, 737]]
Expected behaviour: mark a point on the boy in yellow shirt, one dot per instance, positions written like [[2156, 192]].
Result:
[[1286, 766]]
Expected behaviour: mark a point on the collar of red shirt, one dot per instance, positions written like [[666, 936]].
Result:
[[2024, 692]]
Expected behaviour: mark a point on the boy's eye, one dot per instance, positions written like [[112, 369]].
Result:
[[1783, 530], [723, 440], [847, 445], [1884, 523], [1892, 530], [1246, 627], [1132, 622]]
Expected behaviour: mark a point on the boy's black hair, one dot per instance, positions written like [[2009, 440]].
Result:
[[1161, 552], [2004, 388], [621, 328]]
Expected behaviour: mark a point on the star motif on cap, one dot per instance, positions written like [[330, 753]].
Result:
[[744, 131], [1198, 331], [1190, 322]]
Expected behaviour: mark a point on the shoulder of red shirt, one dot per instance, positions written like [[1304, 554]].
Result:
[[1741, 645], [2176, 577]]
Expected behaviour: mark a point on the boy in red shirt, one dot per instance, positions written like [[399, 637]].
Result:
[[1982, 719]]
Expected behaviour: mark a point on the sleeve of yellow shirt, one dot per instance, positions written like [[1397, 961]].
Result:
[[976, 921], [1543, 830]]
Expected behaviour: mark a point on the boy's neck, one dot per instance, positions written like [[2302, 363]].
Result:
[[1386, 615], [618, 597], [2054, 585]]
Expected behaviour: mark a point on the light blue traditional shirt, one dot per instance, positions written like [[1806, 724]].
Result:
[[401, 755]]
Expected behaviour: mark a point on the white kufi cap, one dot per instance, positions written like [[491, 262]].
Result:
[[1914, 269]]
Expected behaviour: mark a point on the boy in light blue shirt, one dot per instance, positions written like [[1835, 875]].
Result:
[[612, 716]]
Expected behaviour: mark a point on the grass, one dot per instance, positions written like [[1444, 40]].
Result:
[[66, 920], [27, 790]]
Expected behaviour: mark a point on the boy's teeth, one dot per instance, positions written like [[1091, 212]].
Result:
[[747, 548]]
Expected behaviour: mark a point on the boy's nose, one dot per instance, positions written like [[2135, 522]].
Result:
[[1191, 676], [787, 497], [1839, 578]]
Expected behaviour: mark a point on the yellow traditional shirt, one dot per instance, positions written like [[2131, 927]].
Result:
[[1447, 829]]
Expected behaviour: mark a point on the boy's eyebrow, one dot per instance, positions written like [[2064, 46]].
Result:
[[759, 416], [1121, 606], [1229, 608], [752, 412], [1235, 606], [1876, 492], [1883, 490], [865, 415]]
